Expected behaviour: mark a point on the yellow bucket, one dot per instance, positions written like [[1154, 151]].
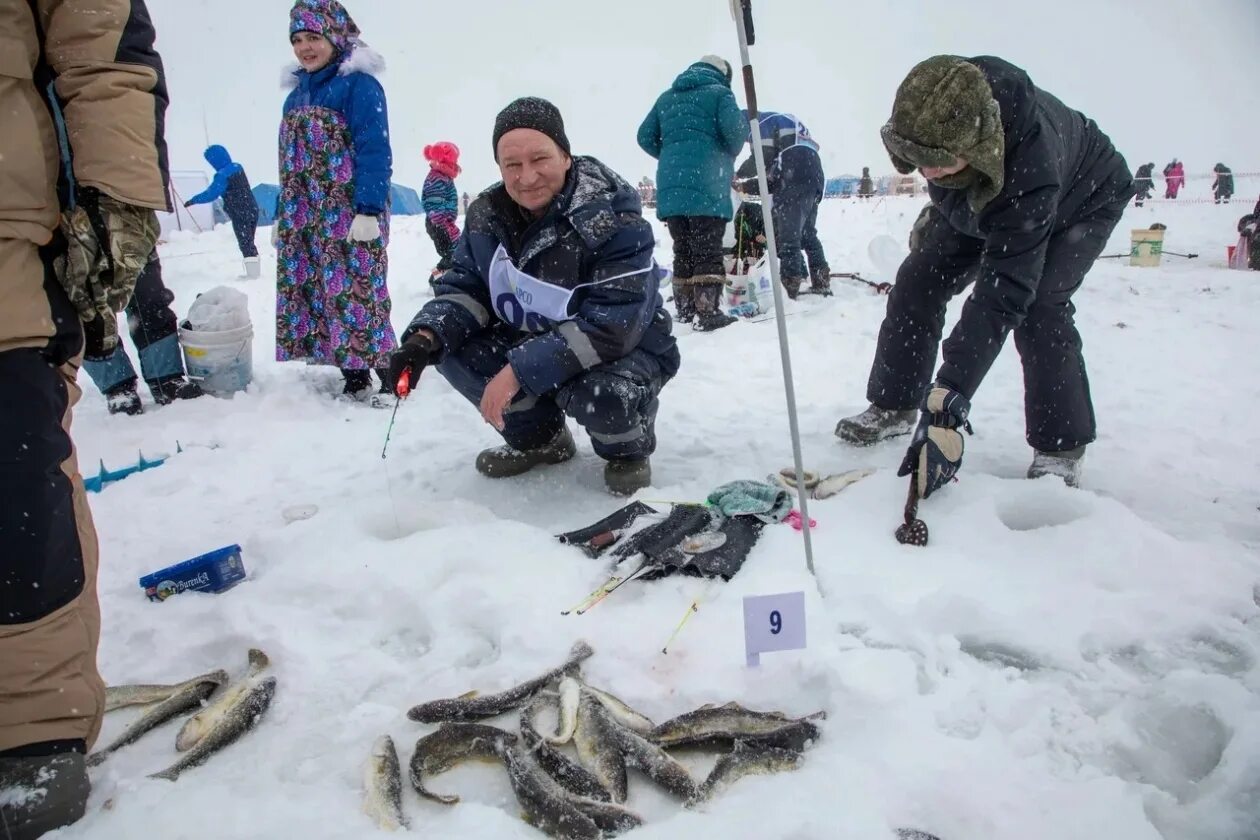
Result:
[[1146, 247]]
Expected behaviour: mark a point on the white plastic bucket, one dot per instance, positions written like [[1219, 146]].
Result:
[[222, 362]]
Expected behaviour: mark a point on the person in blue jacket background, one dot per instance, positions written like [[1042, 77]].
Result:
[[232, 185], [551, 308], [695, 130], [795, 175]]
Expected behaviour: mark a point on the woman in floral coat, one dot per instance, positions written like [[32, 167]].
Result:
[[332, 226]]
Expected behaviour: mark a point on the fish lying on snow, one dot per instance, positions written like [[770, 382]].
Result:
[[572, 776], [599, 748], [548, 807], [745, 760], [658, 765], [382, 786], [473, 706], [454, 743], [121, 696], [194, 692], [724, 725], [621, 711], [244, 713], [570, 693], [196, 727]]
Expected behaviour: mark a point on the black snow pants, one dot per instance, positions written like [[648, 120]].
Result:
[[699, 273], [443, 243], [797, 192], [242, 210], [1058, 410]]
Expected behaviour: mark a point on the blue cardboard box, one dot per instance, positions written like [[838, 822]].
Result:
[[214, 572]]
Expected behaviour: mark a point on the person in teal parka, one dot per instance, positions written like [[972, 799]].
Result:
[[695, 130]]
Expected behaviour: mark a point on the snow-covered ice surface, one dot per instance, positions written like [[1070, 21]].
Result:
[[1057, 664]]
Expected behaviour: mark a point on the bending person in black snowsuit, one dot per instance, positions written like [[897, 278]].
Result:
[[1024, 195], [232, 185], [1144, 182]]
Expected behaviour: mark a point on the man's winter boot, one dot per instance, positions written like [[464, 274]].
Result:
[[253, 268], [820, 282], [123, 398], [627, 477], [684, 299], [1065, 465], [39, 794], [166, 391], [876, 424], [707, 294], [505, 461], [792, 285]]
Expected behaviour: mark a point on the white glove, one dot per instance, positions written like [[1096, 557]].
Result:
[[364, 229]]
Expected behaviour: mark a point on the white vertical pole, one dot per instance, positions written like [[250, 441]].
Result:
[[738, 10]]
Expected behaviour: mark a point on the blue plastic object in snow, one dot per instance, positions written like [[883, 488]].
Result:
[[97, 483], [217, 571]]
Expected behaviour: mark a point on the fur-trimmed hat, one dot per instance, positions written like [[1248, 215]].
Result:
[[945, 110], [531, 112], [324, 17]]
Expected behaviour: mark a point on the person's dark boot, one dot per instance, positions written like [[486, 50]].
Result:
[[876, 424], [707, 294], [627, 477], [1065, 465], [684, 300], [505, 461], [166, 391], [792, 285], [39, 794], [820, 282], [123, 398]]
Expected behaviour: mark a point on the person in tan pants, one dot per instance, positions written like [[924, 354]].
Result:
[[68, 262]]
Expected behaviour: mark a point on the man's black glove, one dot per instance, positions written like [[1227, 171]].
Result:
[[936, 451], [413, 356]]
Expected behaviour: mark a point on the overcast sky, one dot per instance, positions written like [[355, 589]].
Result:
[[1178, 84]]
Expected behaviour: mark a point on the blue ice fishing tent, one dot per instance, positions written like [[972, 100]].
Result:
[[404, 201]]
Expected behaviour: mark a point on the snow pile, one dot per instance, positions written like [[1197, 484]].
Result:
[[219, 310], [1057, 665]]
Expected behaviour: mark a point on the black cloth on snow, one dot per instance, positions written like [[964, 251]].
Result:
[[697, 246], [1064, 182], [660, 543]]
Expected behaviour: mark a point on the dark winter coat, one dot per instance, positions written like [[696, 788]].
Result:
[[1143, 179], [594, 241], [230, 183], [695, 131], [1060, 168], [1223, 186]]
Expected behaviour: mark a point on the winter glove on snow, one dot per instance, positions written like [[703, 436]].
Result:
[[108, 245], [364, 229], [936, 451], [414, 355]]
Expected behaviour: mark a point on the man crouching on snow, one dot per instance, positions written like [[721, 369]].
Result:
[[551, 308], [1025, 192]]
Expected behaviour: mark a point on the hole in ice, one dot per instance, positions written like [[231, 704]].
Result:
[[1045, 508], [998, 653]]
